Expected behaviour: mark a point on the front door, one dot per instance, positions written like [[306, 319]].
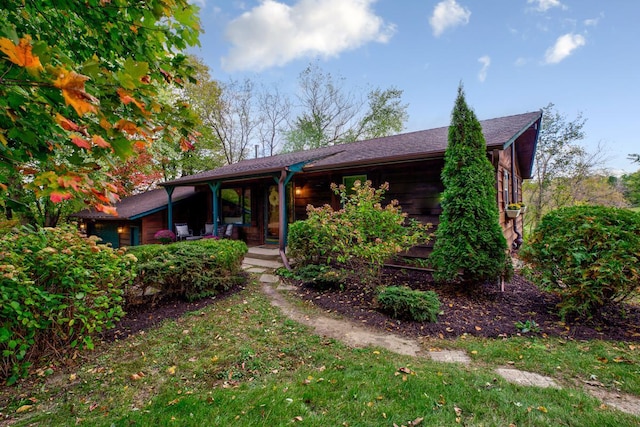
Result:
[[273, 215]]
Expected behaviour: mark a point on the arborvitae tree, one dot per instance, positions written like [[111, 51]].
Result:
[[469, 237]]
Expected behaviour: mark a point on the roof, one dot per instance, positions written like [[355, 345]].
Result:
[[138, 205], [499, 133]]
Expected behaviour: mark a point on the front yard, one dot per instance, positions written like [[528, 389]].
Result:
[[239, 361]]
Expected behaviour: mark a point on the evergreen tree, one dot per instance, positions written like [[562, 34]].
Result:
[[469, 237]]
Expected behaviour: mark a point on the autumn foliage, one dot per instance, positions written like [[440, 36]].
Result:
[[75, 105]]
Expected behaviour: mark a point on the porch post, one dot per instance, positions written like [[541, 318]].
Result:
[[285, 177], [215, 186], [169, 190]]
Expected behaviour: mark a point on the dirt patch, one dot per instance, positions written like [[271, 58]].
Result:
[[485, 311]]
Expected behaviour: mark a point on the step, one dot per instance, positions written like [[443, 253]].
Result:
[[267, 263], [260, 252]]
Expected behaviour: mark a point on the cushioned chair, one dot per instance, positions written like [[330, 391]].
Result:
[[183, 231], [225, 231], [207, 230]]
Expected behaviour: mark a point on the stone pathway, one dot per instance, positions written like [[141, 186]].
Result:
[[357, 336]]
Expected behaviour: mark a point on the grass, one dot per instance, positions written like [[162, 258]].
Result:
[[241, 363]]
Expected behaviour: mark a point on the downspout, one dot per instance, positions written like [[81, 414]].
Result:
[[169, 208], [518, 242], [214, 187], [282, 182]]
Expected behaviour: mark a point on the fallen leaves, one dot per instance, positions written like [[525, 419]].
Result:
[[137, 376]]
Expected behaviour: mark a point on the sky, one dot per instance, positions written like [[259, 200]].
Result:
[[512, 56]]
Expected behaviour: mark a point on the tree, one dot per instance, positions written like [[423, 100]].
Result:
[[78, 94], [275, 109], [332, 115], [561, 165], [469, 236], [631, 183], [234, 119]]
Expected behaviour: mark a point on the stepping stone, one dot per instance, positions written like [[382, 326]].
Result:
[[450, 356], [251, 269], [269, 278], [530, 379], [283, 287]]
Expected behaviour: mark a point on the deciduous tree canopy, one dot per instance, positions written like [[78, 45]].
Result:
[[79, 81]]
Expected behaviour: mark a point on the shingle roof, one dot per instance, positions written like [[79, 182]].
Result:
[[139, 204], [499, 133]]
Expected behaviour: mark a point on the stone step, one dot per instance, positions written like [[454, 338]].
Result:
[[258, 262], [261, 252]]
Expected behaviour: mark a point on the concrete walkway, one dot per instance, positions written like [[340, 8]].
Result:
[[355, 335]]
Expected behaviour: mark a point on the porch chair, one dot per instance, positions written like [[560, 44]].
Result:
[[207, 230], [225, 231], [183, 231]]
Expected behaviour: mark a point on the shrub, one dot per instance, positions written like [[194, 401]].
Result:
[[189, 269], [318, 276], [402, 302], [57, 289], [358, 238], [588, 255]]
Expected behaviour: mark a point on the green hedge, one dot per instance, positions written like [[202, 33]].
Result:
[[189, 269], [57, 289], [588, 255]]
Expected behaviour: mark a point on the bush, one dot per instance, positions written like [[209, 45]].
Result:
[[57, 290], [189, 269], [317, 276], [402, 302], [358, 238], [588, 255]]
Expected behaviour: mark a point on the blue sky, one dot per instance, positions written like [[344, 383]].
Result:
[[513, 56]]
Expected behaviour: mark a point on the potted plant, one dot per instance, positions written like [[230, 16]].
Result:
[[523, 207], [513, 210]]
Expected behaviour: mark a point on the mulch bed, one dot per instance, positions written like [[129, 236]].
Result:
[[484, 311]]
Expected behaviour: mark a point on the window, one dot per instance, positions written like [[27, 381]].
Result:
[[235, 205], [348, 181], [505, 187]]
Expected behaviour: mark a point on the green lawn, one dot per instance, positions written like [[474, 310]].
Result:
[[241, 363]]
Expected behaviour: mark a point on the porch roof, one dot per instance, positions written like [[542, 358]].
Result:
[[139, 205], [499, 133]]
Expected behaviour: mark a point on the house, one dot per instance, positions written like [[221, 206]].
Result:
[[141, 216], [262, 196]]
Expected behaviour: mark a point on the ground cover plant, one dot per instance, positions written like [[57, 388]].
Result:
[[588, 255], [58, 289], [240, 362]]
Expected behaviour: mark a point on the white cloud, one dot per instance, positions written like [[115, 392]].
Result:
[[521, 62], [564, 46], [544, 5], [274, 33], [448, 14], [486, 62]]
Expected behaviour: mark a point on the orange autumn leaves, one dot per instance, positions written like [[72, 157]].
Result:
[[21, 54], [72, 86], [73, 90]]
